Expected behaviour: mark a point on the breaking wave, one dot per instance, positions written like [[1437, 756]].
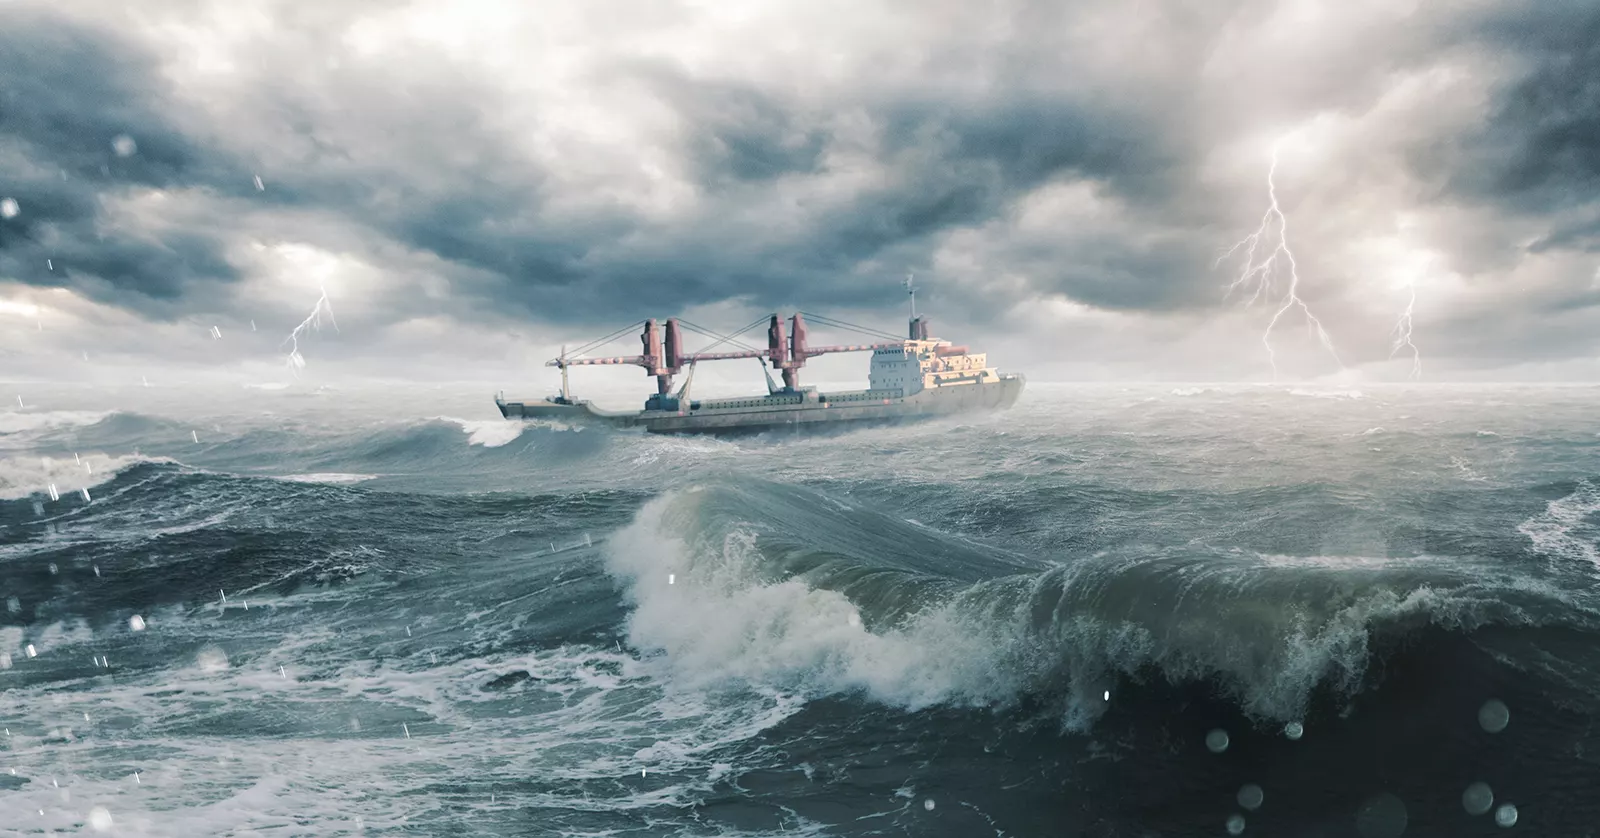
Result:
[[21, 477], [761, 583]]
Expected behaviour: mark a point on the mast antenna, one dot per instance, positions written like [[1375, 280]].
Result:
[[912, 291], [566, 393]]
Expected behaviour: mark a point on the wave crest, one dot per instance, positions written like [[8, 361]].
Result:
[[726, 581]]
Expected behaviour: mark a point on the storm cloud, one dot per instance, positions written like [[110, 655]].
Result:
[[1049, 173]]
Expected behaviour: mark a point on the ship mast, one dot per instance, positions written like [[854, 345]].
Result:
[[566, 392]]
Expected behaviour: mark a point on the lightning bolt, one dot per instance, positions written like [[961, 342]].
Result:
[[296, 361], [1402, 332], [1259, 271]]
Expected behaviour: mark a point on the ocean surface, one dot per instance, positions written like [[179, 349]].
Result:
[[1110, 611]]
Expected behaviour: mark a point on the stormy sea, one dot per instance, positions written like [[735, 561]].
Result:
[[1145, 610]]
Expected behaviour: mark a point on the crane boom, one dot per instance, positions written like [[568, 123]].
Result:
[[786, 352]]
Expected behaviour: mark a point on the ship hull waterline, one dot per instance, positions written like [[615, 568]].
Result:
[[811, 415]]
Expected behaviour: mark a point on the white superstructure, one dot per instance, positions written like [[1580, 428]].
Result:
[[923, 362]]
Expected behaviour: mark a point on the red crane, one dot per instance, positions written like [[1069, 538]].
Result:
[[664, 358]]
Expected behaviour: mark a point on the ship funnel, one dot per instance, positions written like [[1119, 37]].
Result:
[[919, 328]]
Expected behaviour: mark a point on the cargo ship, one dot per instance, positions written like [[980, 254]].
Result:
[[915, 377]]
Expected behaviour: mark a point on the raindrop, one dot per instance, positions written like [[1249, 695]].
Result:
[[1107, 696], [1235, 824], [9, 208], [136, 623], [1506, 815], [927, 805], [1383, 816], [1217, 741], [406, 729], [5, 660], [1477, 799], [1493, 716], [408, 631], [96, 571], [671, 578], [53, 569], [124, 145], [1294, 730], [13, 604], [196, 435], [1250, 796], [32, 652], [281, 672], [260, 187]]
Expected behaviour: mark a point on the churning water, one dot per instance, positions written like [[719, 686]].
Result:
[[1141, 611]]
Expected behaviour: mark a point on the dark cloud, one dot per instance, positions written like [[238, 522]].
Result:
[[1540, 149], [778, 192], [68, 93]]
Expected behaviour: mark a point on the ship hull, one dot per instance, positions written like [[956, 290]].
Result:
[[821, 413]]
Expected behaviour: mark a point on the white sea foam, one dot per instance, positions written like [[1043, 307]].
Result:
[[489, 433], [23, 476], [376, 735], [1563, 530], [13, 422], [1327, 394], [330, 477]]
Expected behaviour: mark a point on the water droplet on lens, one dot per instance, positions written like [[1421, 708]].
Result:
[[1383, 816], [1250, 796], [1217, 741], [1294, 730], [9, 208], [136, 623], [1506, 815], [1477, 798], [124, 145], [212, 659], [32, 652], [1235, 824], [928, 804], [99, 819], [1493, 716]]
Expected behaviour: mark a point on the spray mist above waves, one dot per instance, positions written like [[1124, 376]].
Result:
[[733, 592]]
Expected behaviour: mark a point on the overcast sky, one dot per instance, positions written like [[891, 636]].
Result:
[[476, 182]]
